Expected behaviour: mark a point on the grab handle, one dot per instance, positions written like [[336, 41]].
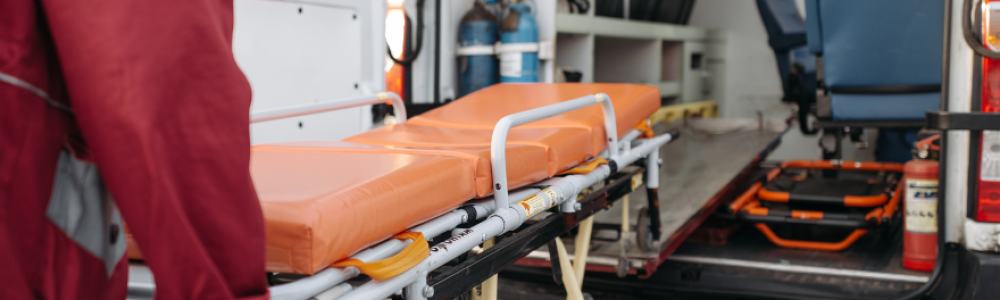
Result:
[[498, 145], [396, 264], [306, 109]]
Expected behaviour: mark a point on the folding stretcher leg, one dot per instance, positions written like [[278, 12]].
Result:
[[623, 260], [491, 286], [652, 194], [582, 247], [569, 279]]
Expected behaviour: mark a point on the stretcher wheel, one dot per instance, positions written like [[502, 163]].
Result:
[[644, 231]]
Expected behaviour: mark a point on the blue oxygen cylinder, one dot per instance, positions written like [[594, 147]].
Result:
[[518, 49], [476, 36]]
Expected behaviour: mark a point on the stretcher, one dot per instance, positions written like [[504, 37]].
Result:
[[791, 195], [458, 176]]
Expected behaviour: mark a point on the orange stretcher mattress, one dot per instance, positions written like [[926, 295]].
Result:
[[482, 109], [560, 148], [325, 200]]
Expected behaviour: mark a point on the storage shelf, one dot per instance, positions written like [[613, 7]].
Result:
[[668, 56], [605, 26], [669, 88]]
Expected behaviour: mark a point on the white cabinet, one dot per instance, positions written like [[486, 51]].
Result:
[[678, 59]]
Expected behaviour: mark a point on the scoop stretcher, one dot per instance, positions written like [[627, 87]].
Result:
[[475, 169], [853, 204]]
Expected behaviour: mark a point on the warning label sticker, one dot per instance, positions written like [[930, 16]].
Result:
[[921, 205], [533, 205]]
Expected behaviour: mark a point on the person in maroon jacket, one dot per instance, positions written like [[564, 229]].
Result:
[[127, 104]]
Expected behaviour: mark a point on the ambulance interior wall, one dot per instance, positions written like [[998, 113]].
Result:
[[751, 80]]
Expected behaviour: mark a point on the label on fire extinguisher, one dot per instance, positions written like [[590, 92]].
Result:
[[921, 205]]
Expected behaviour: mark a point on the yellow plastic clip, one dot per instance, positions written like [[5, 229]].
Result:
[[646, 129]]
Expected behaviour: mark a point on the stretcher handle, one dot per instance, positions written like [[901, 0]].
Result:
[[848, 201], [753, 212], [306, 109], [751, 193], [389, 267], [498, 145], [842, 165], [810, 245]]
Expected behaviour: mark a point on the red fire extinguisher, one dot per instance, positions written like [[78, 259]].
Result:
[[920, 207]]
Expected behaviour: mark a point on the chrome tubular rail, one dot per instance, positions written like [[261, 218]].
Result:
[[306, 109], [498, 145]]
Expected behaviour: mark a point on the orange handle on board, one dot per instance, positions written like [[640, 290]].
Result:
[[396, 264], [808, 245]]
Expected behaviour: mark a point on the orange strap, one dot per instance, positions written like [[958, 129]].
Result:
[[395, 265], [646, 129], [586, 168]]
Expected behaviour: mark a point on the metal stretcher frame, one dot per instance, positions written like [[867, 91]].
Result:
[[560, 191]]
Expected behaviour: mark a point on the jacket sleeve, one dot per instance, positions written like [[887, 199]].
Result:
[[164, 109]]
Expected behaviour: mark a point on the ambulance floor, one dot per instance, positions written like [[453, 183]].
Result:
[[747, 266]]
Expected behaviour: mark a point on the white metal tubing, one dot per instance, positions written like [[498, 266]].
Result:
[[418, 290], [630, 136], [440, 254], [625, 142], [498, 145], [305, 109], [653, 169], [647, 146], [317, 283], [307, 287], [334, 292]]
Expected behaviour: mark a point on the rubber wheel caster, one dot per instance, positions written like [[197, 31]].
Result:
[[644, 232]]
